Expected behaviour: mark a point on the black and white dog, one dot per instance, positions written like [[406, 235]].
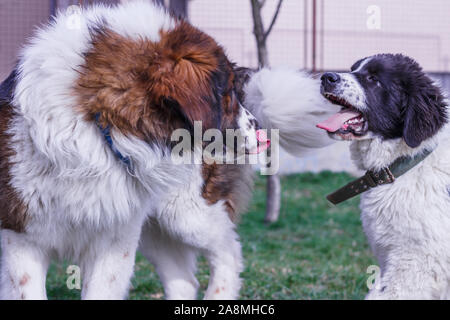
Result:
[[397, 119]]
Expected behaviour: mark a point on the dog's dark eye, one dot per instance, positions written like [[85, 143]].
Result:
[[372, 78]]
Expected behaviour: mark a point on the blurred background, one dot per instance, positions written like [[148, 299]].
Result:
[[316, 35], [311, 249]]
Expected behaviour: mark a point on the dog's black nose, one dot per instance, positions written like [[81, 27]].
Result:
[[330, 78]]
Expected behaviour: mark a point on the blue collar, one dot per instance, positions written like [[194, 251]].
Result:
[[106, 132]]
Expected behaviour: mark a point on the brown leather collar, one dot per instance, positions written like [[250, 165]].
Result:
[[373, 179]]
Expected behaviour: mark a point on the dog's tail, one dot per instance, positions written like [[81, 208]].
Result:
[[290, 101]]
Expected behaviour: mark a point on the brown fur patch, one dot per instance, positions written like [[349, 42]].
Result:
[[13, 212], [221, 182], [148, 89]]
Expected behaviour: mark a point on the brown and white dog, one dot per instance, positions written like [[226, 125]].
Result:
[[86, 122]]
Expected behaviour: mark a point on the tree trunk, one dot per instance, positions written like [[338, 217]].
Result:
[[179, 8], [273, 198], [258, 31], [63, 4], [273, 201], [263, 54]]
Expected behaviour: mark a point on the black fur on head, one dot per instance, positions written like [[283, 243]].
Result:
[[395, 97], [401, 99], [425, 109]]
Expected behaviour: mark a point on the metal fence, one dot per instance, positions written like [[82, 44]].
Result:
[[18, 18], [332, 34], [443, 79], [345, 30]]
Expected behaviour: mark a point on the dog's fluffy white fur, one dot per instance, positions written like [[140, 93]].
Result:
[[85, 206], [273, 97], [407, 222]]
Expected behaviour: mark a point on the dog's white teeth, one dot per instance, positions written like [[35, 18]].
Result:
[[357, 120]]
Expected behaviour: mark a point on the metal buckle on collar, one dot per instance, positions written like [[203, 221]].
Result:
[[384, 176]]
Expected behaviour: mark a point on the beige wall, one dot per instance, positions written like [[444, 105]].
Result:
[[17, 19], [415, 27]]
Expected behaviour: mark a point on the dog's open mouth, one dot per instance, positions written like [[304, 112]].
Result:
[[349, 123]]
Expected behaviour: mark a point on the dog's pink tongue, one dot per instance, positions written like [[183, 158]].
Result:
[[263, 141], [337, 121]]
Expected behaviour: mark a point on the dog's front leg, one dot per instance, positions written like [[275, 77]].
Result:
[[174, 261], [108, 264], [410, 276], [225, 267], [208, 229], [23, 268]]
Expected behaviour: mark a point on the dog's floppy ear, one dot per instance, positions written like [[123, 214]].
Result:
[[176, 115], [183, 71], [425, 112]]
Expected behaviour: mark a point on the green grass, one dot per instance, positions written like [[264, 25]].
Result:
[[314, 251]]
